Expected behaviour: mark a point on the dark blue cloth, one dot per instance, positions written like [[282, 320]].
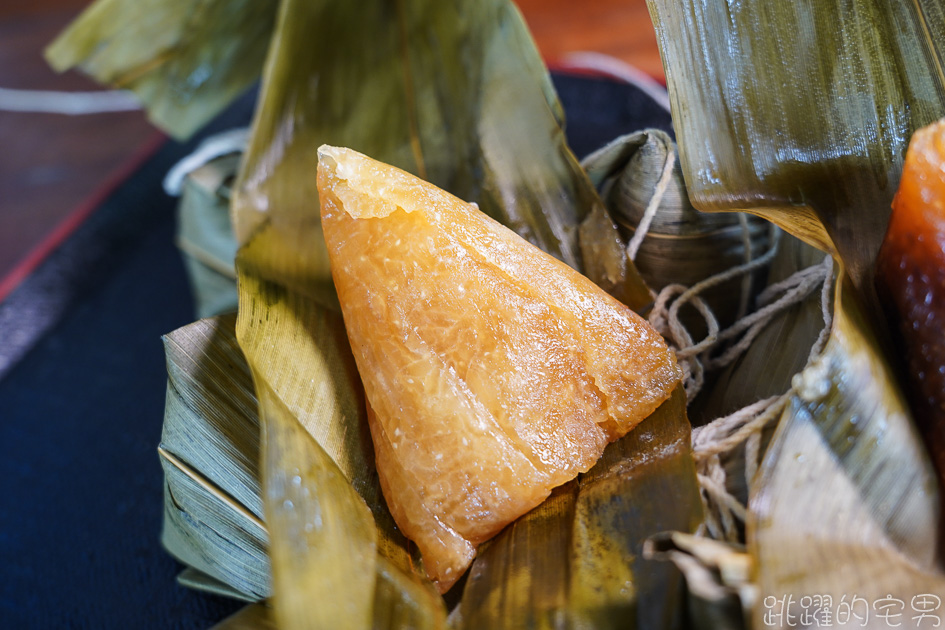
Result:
[[82, 399]]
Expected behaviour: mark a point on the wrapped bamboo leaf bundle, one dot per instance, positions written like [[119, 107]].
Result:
[[680, 245], [205, 235], [797, 113]]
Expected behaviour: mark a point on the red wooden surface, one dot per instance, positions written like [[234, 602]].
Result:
[[49, 163]]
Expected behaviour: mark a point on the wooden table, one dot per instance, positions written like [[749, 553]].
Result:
[[52, 166]]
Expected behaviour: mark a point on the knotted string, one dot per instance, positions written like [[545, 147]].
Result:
[[723, 435]]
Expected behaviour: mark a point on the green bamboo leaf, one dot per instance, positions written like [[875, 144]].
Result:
[[300, 357], [205, 235], [299, 351], [846, 503], [323, 539], [186, 60], [801, 111], [576, 560], [209, 451], [474, 114]]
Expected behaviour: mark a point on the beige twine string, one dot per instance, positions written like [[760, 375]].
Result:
[[661, 185], [724, 434], [723, 510]]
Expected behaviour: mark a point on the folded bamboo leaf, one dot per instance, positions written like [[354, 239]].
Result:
[[300, 351], [801, 111], [185, 59], [467, 105], [208, 530], [846, 502], [682, 245], [209, 451], [576, 560], [300, 357], [214, 424], [211, 402], [606, 262], [199, 581], [323, 539], [205, 235]]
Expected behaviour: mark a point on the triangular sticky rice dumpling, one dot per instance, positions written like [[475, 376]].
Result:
[[493, 372]]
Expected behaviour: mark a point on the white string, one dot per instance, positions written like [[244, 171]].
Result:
[[798, 287], [70, 103], [723, 435], [647, 219], [212, 147], [723, 511], [666, 318]]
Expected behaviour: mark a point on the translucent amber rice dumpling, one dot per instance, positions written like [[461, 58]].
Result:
[[493, 372]]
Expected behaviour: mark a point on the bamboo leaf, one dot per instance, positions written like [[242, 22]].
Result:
[[576, 560], [717, 578], [300, 350], [402, 600], [323, 538], [476, 118], [214, 424], [209, 451], [211, 398], [253, 617], [205, 235], [185, 59], [847, 500], [801, 111], [192, 578]]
